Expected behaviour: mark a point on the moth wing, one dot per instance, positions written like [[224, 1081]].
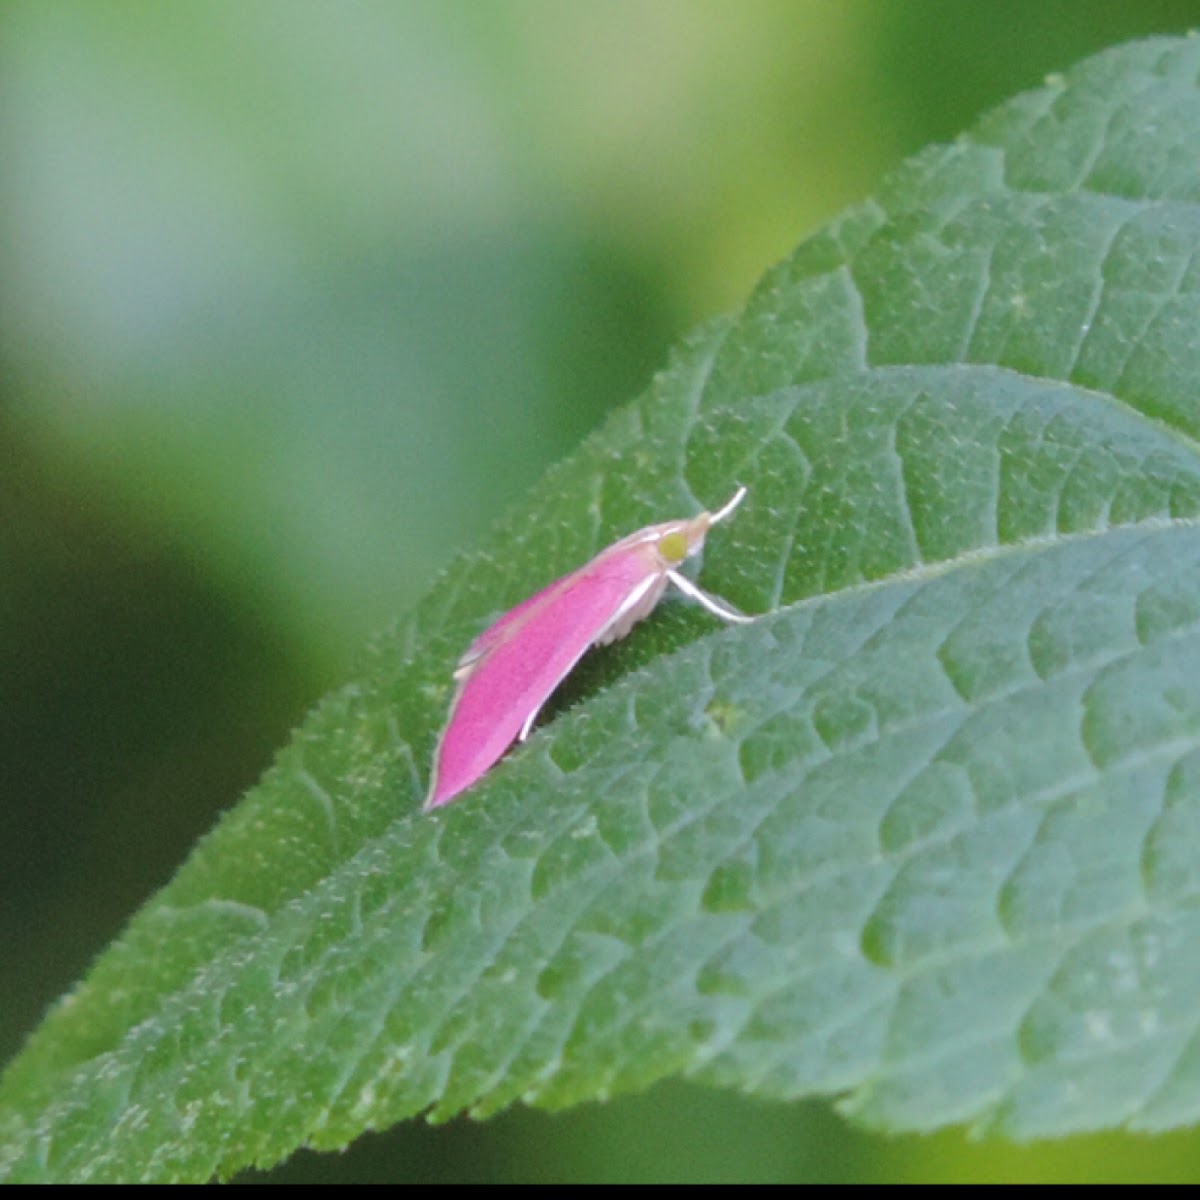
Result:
[[512, 667], [637, 605], [503, 626]]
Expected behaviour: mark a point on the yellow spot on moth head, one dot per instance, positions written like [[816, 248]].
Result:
[[674, 546]]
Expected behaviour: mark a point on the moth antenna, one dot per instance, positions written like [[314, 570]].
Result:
[[728, 506]]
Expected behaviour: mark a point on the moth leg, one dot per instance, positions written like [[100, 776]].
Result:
[[717, 607], [528, 726]]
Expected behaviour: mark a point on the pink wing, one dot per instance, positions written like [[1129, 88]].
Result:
[[512, 667], [502, 625]]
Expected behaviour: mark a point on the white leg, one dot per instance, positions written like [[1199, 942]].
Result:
[[717, 607], [529, 720]]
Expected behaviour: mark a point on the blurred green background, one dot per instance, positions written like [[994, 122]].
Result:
[[294, 297]]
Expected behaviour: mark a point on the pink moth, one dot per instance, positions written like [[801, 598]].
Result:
[[510, 670]]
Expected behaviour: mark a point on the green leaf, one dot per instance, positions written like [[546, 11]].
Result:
[[926, 835]]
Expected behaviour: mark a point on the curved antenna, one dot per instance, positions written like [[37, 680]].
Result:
[[728, 506]]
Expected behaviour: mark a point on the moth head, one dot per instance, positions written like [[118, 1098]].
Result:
[[682, 539], [676, 544]]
